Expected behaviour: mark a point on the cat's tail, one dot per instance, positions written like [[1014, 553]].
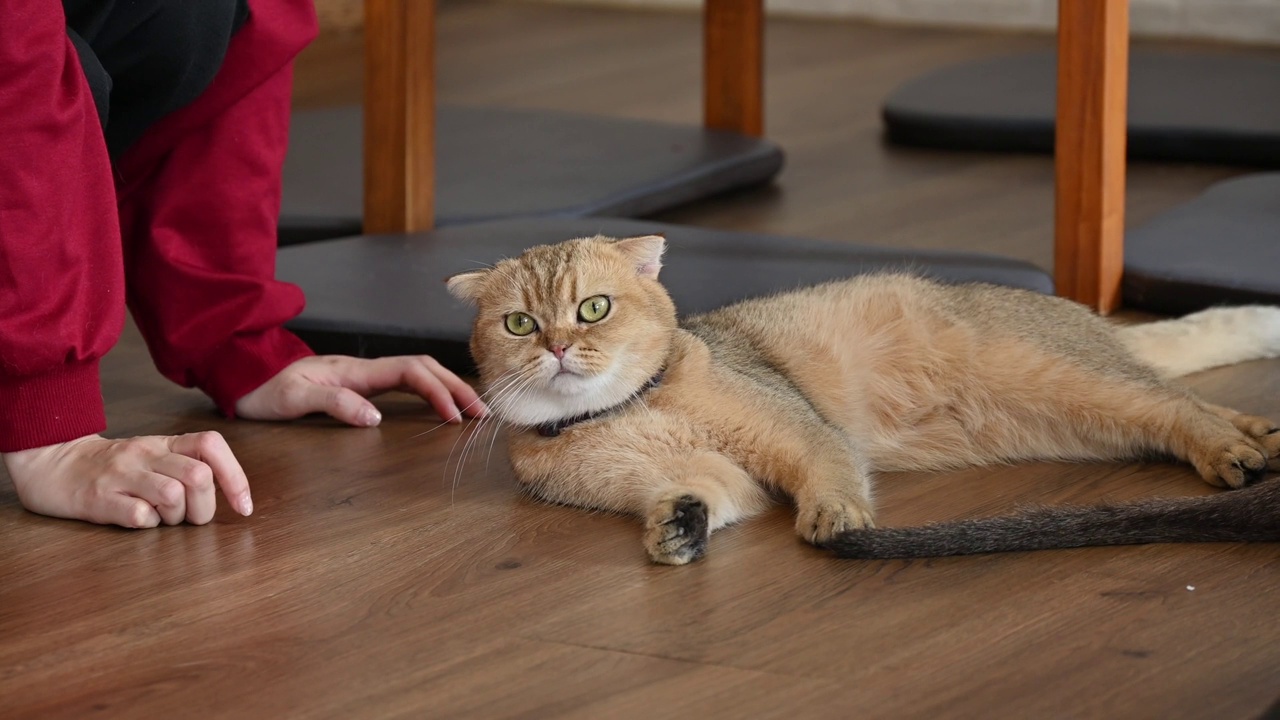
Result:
[[1248, 515], [1206, 339]]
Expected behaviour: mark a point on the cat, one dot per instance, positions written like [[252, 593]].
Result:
[[612, 403]]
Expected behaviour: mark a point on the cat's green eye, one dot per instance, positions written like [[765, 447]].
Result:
[[593, 309], [521, 324]]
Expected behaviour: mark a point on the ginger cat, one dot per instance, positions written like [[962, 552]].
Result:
[[613, 404]]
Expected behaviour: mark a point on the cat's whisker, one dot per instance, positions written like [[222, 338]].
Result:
[[473, 441], [511, 399], [462, 460], [515, 382], [499, 386], [497, 427], [468, 431], [426, 432], [481, 397], [493, 440], [455, 447]]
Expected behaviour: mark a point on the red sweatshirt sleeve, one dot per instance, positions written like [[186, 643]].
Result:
[[199, 205], [61, 278]]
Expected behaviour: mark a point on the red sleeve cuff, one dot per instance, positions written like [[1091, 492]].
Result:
[[247, 361], [50, 409]]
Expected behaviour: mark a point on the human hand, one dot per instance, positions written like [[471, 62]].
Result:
[[339, 385], [134, 482]]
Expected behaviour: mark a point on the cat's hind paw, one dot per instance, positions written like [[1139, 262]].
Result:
[[1235, 464], [677, 530], [1264, 433], [820, 520]]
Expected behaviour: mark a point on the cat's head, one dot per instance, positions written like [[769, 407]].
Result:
[[570, 328]]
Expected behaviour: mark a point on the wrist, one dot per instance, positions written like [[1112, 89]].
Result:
[[17, 460], [51, 408], [247, 362]]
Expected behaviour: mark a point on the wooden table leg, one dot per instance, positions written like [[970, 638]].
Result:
[[399, 115], [1093, 67], [733, 66]]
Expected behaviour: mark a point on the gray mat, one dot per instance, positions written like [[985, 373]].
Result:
[[1221, 248], [381, 295], [1201, 107], [498, 163]]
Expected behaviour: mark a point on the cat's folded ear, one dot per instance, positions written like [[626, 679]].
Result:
[[645, 251], [467, 286]]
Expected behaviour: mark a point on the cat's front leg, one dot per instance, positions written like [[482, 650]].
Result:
[[682, 494], [677, 530], [831, 488], [694, 496], [826, 509], [823, 515]]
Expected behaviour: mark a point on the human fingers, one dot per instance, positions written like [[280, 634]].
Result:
[[119, 508], [419, 374], [195, 487], [419, 379], [84, 479], [211, 449], [463, 394], [343, 404]]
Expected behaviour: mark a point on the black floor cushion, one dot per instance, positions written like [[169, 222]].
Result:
[[499, 163], [1202, 106], [1221, 248]]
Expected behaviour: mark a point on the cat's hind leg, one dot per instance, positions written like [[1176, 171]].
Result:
[[1114, 421], [1223, 459]]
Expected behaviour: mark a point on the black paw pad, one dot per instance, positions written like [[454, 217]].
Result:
[[689, 521], [1251, 475]]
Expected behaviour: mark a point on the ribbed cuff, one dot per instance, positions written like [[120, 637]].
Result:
[[245, 362], [50, 409]]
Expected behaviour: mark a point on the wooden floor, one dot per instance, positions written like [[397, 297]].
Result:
[[376, 579]]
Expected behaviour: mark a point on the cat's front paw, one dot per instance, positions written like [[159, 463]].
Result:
[[820, 519], [677, 530]]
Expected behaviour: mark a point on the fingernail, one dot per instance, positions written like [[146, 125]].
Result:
[[370, 417], [246, 504], [481, 408]]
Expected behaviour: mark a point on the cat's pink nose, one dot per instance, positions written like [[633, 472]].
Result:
[[558, 350]]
